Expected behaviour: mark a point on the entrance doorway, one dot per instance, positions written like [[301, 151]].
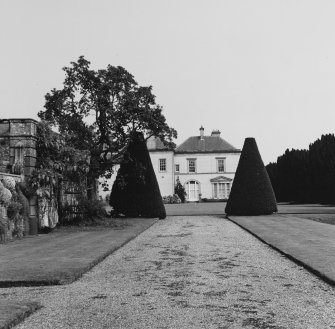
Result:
[[192, 188]]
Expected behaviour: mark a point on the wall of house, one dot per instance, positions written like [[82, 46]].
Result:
[[165, 179], [206, 169], [207, 162]]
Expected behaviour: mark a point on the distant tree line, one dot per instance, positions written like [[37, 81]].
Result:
[[306, 175]]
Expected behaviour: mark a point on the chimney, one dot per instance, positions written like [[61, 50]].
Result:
[[202, 133], [216, 133]]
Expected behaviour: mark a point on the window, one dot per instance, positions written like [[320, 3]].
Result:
[[221, 190], [177, 167], [221, 164], [191, 165], [18, 153], [162, 164], [17, 167]]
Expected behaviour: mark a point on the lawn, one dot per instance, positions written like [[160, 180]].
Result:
[[322, 218], [64, 255]]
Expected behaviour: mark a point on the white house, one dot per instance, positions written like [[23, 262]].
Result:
[[205, 165]]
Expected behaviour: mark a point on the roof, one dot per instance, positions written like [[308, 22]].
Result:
[[209, 144], [155, 144]]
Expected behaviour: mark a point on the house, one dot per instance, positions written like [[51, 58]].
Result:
[[205, 166]]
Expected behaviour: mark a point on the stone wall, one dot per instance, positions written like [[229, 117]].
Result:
[[18, 156], [17, 135]]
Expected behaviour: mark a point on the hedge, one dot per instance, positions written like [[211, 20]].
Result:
[[252, 192], [135, 191]]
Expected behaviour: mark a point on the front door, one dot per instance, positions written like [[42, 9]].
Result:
[[192, 190]]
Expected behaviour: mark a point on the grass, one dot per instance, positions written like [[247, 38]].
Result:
[[59, 257], [11, 313], [65, 254], [322, 218]]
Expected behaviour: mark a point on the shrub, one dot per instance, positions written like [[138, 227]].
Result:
[[251, 193], [92, 209], [135, 191], [13, 209], [213, 200], [86, 211], [180, 190], [9, 182], [5, 195], [170, 199]]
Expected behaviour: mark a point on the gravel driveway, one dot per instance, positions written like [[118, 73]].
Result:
[[187, 272]]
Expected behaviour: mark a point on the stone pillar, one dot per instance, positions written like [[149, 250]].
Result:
[[18, 150]]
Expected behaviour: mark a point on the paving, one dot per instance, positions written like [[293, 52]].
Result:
[[186, 272], [310, 243]]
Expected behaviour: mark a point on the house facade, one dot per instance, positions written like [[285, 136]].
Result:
[[205, 166]]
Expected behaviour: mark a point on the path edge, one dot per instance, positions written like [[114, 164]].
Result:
[[77, 274], [308, 267], [18, 318]]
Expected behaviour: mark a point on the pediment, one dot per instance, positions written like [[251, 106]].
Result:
[[220, 179]]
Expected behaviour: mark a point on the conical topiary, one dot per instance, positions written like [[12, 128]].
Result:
[[135, 191], [252, 192]]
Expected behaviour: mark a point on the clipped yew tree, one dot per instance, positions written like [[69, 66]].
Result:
[[135, 192], [252, 192]]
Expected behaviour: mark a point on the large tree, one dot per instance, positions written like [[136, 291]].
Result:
[[97, 110]]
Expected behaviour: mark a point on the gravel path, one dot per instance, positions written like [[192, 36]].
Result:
[[187, 272]]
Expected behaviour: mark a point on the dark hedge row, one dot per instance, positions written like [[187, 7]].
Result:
[[251, 193], [135, 191], [306, 176]]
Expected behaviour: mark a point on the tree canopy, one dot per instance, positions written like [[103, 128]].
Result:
[[97, 110], [306, 175]]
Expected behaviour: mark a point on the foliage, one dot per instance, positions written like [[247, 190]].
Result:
[[92, 209], [179, 189], [251, 193], [213, 200], [5, 195], [9, 182], [306, 175], [87, 212], [171, 199], [13, 209], [135, 191], [117, 105], [22, 191], [13, 206], [57, 159]]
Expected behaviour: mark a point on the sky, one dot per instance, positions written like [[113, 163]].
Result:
[[249, 68]]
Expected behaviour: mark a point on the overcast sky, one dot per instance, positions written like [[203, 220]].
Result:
[[250, 68]]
